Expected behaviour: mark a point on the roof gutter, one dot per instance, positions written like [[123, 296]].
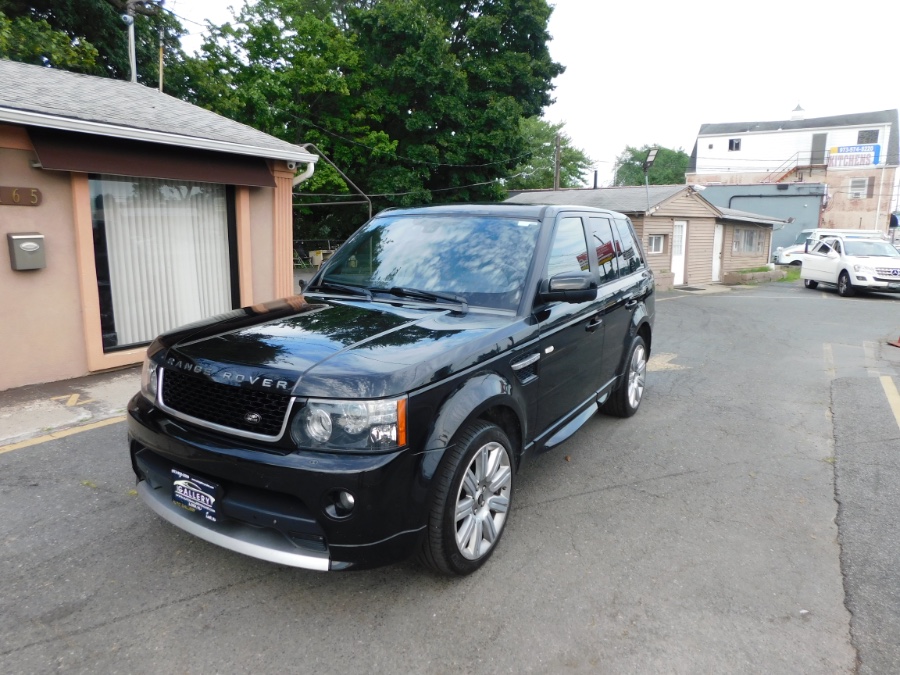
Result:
[[14, 116]]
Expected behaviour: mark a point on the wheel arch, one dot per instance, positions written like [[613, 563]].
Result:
[[487, 396]]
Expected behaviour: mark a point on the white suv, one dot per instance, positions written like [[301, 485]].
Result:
[[793, 254], [852, 264]]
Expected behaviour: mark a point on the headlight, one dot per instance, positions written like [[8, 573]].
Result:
[[864, 268], [350, 425], [149, 380]]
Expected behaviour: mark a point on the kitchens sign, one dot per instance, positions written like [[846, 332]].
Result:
[[854, 155]]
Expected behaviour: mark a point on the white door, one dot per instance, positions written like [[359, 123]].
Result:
[[678, 237], [717, 253]]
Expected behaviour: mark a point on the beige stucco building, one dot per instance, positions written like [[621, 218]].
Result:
[[681, 232], [133, 212]]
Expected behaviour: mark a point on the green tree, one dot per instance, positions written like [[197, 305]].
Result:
[[94, 27], [35, 41], [537, 171], [668, 168], [415, 100]]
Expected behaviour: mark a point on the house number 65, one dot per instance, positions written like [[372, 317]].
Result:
[[19, 196]]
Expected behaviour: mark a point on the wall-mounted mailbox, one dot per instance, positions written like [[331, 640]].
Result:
[[26, 251]]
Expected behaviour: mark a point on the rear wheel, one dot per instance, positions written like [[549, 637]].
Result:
[[845, 288], [625, 400], [809, 283], [473, 489]]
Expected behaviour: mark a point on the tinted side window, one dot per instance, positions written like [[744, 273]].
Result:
[[601, 232], [628, 253], [569, 251]]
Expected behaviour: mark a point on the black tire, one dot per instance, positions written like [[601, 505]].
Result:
[[845, 287], [625, 400], [809, 283], [796, 263], [475, 472]]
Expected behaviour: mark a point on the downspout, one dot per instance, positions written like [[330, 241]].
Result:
[[306, 175]]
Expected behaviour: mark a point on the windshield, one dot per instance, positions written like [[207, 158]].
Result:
[[870, 248], [482, 259], [802, 237]]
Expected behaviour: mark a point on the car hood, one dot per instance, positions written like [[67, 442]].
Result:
[[336, 349]]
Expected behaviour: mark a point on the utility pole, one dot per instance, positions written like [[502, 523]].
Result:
[[129, 9], [556, 166]]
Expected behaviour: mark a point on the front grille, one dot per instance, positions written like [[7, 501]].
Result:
[[890, 272], [224, 404]]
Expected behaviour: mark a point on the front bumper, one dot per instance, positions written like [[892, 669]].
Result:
[[275, 506], [869, 282]]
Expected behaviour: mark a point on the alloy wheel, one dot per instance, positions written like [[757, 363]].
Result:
[[637, 372], [482, 502]]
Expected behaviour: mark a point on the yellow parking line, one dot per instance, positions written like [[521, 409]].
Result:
[[60, 434], [893, 396]]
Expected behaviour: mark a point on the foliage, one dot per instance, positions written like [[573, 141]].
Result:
[[34, 41], [668, 169], [92, 28], [417, 101], [537, 170]]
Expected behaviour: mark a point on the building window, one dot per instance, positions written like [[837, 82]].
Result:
[[656, 243], [867, 137], [734, 144], [858, 188], [748, 241], [163, 255]]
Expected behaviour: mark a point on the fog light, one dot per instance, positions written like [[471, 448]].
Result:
[[340, 504]]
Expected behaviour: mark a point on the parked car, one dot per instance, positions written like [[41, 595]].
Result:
[[793, 254], [387, 411], [852, 264]]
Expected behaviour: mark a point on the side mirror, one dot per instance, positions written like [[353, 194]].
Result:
[[833, 254], [573, 287]]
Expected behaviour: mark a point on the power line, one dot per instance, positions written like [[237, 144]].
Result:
[[409, 159]]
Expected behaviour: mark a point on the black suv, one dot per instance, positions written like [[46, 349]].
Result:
[[387, 410]]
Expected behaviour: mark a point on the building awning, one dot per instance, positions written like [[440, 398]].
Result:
[[88, 153]]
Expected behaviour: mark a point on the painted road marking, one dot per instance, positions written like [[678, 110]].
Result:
[[60, 434], [893, 396], [72, 399], [659, 362]]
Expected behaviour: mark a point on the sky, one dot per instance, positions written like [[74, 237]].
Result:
[[650, 73]]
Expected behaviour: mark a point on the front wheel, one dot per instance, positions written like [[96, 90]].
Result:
[[626, 398], [472, 496], [809, 283], [845, 287]]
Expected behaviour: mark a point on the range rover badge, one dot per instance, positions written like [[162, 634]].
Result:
[[252, 418]]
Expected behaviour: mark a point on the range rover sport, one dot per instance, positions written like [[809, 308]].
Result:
[[386, 411]]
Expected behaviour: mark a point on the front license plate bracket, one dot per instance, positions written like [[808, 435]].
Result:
[[197, 495]]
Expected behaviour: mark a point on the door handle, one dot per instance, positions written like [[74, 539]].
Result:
[[594, 324]]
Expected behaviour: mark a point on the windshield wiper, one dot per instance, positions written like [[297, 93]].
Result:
[[418, 294], [347, 288]]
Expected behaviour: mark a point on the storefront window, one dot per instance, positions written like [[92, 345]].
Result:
[[163, 255]]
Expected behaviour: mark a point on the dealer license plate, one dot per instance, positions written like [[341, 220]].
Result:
[[195, 494]]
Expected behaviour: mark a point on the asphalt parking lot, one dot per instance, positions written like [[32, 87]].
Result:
[[742, 521]]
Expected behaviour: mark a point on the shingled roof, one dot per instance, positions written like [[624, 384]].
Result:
[[634, 200], [58, 99], [621, 199]]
